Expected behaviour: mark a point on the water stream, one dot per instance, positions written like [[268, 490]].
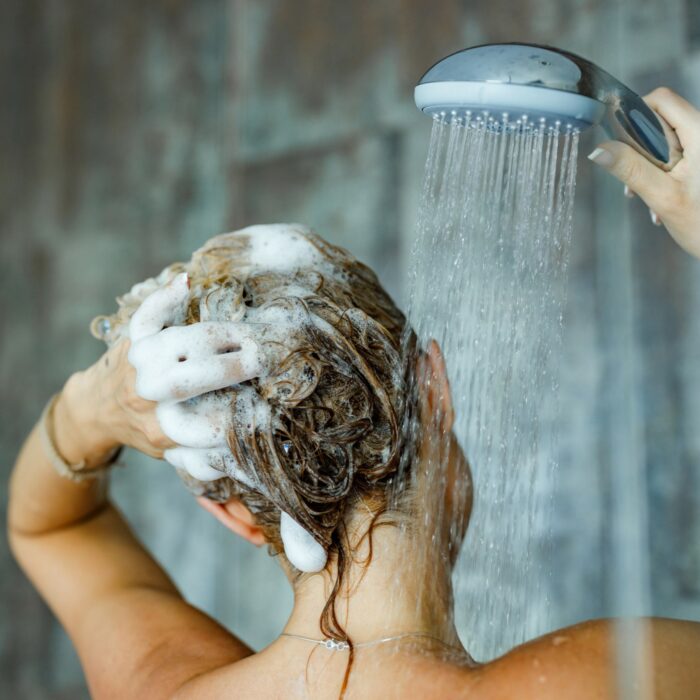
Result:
[[488, 283]]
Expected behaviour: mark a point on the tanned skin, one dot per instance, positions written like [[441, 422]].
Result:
[[138, 638]]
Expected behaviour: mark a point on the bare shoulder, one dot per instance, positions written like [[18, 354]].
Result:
[[578, 662]]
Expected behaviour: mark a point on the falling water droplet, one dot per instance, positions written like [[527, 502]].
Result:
[[487, 280]]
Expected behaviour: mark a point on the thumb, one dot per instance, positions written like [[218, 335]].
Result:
[[652, 184]]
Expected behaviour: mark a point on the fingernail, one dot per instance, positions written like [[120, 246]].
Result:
[[628, 192], [656, 220], [601, 157]]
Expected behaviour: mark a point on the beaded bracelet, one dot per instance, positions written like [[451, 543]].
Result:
[[74, 472]]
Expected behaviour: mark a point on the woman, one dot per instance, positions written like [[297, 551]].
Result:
[[312, 451]]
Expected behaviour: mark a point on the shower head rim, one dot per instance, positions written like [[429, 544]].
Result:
[[552, 104]]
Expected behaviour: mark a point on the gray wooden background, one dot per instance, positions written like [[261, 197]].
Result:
[[132, 131]]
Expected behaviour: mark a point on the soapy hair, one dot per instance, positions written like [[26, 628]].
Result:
[[338, 399]]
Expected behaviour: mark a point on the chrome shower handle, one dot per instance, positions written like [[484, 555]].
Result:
[[630, 119], [674, 145]]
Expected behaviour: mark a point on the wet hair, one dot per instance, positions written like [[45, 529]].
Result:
[[338, 398]]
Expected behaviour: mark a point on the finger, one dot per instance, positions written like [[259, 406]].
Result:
[[202, 421], [655, 218], [628, 192], [165, 306], [657, 188], [301, 549], [207, 464], [191, 378], [678, 112], [197, 463], [167, 371], [196, 341], [204, 339]]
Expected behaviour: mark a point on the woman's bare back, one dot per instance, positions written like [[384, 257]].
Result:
[[576, 663]]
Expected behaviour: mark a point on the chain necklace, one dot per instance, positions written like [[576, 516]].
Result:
[[340, 645]]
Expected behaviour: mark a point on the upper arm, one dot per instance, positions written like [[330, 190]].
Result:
[[135, 635]]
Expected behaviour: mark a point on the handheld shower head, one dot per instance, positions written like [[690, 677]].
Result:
[[545, 84]]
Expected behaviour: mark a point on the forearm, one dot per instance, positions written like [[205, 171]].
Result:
[[135, 635], [41, 500], [70, 541]]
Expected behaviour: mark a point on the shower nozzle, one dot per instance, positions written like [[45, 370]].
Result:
[[512, 81]]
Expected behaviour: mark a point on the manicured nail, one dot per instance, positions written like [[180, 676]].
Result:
[[655, 218], [628, 192], [602, 157]]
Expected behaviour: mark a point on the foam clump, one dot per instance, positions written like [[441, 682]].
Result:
[[269, 248], [300, 547], [280, 248], [250, 411]]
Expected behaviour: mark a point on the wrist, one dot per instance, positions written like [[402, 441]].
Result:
[[78, 433]]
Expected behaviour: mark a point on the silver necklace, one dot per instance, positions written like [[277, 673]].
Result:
[[340, 645]]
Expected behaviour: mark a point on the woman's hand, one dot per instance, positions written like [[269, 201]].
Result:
[[673, 197], [152, 389], [99, 409]]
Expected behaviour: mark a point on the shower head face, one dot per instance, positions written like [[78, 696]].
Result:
[[546, 85], [517, 79]]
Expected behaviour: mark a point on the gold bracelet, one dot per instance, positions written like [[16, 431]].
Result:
[[74, 472]]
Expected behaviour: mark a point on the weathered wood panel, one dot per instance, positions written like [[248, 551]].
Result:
[[132, 131]]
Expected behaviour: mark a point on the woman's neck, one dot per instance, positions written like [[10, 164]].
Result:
[[393, 594]]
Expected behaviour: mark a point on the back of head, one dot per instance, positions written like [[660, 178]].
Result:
[[320, 429]]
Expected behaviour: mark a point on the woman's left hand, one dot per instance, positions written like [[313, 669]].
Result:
[[673, 197]]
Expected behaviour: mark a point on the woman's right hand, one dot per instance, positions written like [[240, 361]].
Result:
[[99, 409], [674, 196], [137, 394]]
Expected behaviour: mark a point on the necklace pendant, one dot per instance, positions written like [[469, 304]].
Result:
[[336, 645]]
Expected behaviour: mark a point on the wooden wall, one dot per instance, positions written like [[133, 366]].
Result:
[[130, 132]]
